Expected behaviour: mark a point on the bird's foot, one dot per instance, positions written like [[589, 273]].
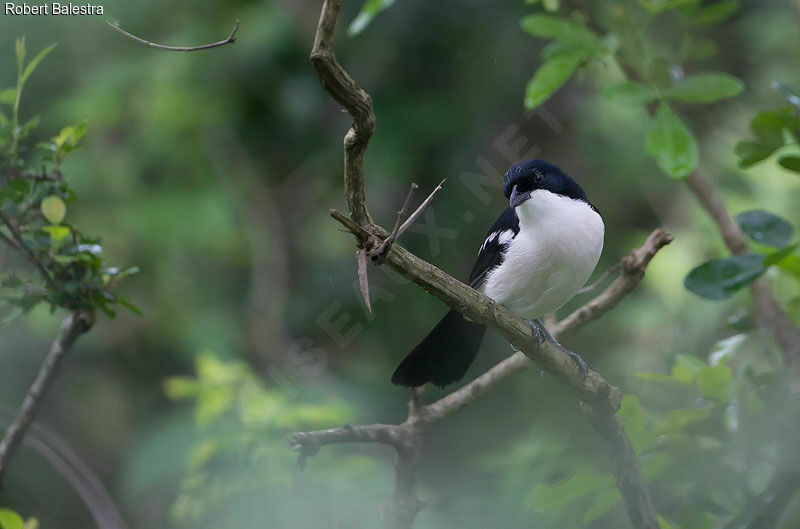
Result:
[[540, 334]]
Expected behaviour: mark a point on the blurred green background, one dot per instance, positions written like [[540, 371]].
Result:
[[214, 172]]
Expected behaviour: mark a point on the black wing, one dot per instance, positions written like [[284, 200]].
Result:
[[491, 253]]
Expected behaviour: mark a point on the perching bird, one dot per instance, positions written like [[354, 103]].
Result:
[[539, 253]]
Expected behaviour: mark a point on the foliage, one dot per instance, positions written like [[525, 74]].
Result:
[[34, 196], [700, 439], [242, 452]]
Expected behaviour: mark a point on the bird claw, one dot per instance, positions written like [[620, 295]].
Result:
[[541, 334], [578, 360]]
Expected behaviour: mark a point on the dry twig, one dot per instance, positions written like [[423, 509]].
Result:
[[229, 40]]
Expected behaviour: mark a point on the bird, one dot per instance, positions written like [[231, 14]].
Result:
[[534, 259]]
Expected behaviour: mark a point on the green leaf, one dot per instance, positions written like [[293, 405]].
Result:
[[549, 77], [630, 93], [36, 60], [664, 523], [20, 51], [10, 520], [768, 127], [555, 27], [765, 228], [752, 152], [786, 92], [8, 96], [57, 234], [719, 278], [715, 382], [633, 418], [671, 143], [54, 209], [565, 493], [777, 257], [715, 12], [792, 163], [20, 186], [705, 88], [603, 502], [369, 10]]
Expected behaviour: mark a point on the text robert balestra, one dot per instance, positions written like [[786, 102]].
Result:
[[52, 8]]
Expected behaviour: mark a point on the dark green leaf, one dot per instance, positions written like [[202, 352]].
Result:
[[768, 127], [752, 152], [630, 93], [36, 60], [715, 12], [791, 163], [20, 186], [671, 143], [549, 77], [554, 27], [765, 228], [705, 88], [719, 278], [786, 92]]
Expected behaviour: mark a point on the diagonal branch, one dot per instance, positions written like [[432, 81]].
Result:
[[600, 397], [73, 326], [229, 40]]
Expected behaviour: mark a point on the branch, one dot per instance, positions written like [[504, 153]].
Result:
[[379, 254], [601, 397], [73, 326], [768, 313], [356, 101], [627, 471], [308, 443], [229, 40]]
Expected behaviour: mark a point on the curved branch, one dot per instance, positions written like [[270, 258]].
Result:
[[229, 40], [356, 101]]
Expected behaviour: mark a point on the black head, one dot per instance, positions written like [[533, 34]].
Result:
[[528, 176]]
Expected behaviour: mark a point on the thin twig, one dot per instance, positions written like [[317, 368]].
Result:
[[229, 40], [9, 242], [379, 253], [28, 252], [414, 216], [73, 326], [363, 280]]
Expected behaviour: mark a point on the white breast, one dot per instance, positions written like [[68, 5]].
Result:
[[555, 252]]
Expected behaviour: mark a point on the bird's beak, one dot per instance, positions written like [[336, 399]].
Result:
[[518, 198]]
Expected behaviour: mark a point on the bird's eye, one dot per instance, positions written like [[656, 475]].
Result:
[[538, 178]]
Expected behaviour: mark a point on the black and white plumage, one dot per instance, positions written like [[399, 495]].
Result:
[[535, 258]]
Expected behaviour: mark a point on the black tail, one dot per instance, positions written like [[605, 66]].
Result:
[[444, 355]]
